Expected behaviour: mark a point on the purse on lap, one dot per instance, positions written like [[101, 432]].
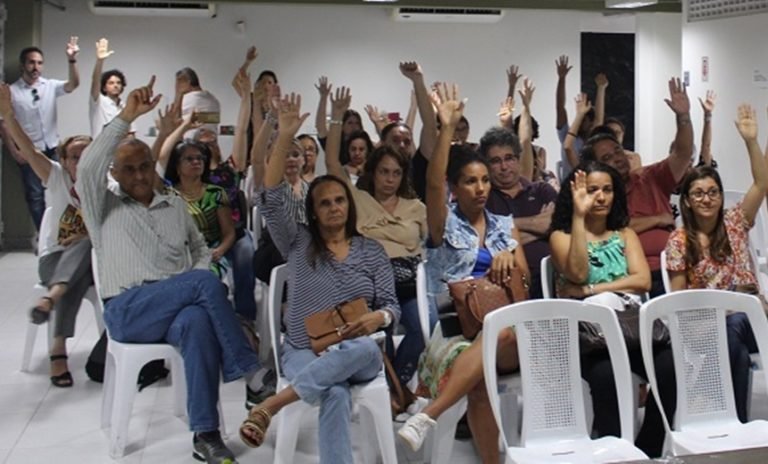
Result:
[[325, 327]]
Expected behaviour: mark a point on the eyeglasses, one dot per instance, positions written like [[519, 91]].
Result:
[[35, 96], [192, 159], [712, 194]]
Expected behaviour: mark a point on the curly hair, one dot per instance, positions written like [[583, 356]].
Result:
[[618, 216], [107, 74], [172, 170], [366, 180], [719, 245]]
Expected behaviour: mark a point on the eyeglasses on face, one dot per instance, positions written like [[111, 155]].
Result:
[[712, 194]]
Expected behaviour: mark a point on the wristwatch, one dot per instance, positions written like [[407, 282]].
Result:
[[387, 317]]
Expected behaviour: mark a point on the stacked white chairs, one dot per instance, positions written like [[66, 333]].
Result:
[[40, 290], [705, 419], [554, 425], [372, 396], [121, 371]]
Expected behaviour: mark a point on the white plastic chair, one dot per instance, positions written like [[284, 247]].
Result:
[[39, 290], [547, 277], [705, 420], [554, 419], [372, 396], [122, 366]]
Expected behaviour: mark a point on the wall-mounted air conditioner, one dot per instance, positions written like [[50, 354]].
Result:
[[447, 15], [177, 9]]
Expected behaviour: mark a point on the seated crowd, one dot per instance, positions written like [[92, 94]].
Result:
[[177, 263]]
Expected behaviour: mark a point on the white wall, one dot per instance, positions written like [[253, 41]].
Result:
[[354, 46], [735, 47]]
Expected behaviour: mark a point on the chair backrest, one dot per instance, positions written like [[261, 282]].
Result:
[[256, 225], [550, 369], [696, 321], [277, 280], [665, 272], [45, 229], [547, 277], [422, 300]]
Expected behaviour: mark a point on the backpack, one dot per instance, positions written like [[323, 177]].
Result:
[[149, 374]]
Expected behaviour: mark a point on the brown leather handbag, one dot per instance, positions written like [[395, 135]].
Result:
[[325, 328], [476, 297]]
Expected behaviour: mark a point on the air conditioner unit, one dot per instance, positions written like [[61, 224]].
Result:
[[447, 15], [179, 9]]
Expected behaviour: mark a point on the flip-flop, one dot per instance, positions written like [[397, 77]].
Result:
[[257, 423], [62, 380], [39, 315]]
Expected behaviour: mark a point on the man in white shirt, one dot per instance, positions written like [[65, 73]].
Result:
[[191, 97], [106, 88], [34, 103]]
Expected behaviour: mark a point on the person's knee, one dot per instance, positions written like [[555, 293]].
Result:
[[507, 338], [192, 323]]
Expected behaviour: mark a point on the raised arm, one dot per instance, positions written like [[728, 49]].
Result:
[[513, 76], [290, 120], [708, 106], [569, 251], [428, 138], [525, 131], [378, 118], [39, 163], [250, 56], [506, 113], [259, 147], [413, 108], [102, 53], [562, 71], [746, 123], [240, 143], [165, 123], [601, 81], [678, 101], [73, 80], [450, 109], [339, 104], [583, 105], [324, 89], [188, 122]]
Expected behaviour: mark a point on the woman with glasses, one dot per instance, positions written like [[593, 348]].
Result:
[[711, 250]]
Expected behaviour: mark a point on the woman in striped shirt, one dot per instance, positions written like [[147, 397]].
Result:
[[328, 264]]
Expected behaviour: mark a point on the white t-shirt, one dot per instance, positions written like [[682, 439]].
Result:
[[201, 101], [62, 216], [35, 109], [102, 111]]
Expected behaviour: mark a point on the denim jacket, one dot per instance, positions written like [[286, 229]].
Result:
[[455, 258]]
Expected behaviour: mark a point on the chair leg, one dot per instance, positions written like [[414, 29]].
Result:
[[442, 445], [29, 346], [125, 392], [288, 432], [381, 414], [108, 391], [98, 313]]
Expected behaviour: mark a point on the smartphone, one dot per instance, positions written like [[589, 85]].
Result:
[[209, 117], [393, 117]]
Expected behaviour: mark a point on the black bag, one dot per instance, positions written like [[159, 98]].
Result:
[[149, 374], [404, 271], [266, 257], [592, 341], [447, 315]]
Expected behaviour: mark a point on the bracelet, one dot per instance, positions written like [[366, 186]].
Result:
[[683, 119], [72, 61], [707, 118], [335, 121]]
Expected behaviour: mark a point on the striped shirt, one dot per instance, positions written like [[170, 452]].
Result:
[[295, 207], [365, 273], [134, 244]]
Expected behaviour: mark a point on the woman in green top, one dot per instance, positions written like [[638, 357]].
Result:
[[594, 251], [208, 204]]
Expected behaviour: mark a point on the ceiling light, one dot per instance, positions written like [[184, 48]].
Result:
[[629, 3], [380, 1]]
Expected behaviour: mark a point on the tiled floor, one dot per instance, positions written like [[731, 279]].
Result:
[[43, 424]]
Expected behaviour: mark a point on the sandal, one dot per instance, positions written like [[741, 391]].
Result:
[[62, 380], [257, 423], [39, 315]]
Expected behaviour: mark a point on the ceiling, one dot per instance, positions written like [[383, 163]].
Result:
[[668, 6]]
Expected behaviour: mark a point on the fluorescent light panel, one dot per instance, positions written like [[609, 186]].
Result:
[[629, 3]]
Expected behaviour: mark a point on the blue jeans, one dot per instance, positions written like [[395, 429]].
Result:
[[325, 380], [406, 360], [741, 342], [241, 257], [34, 192], [191, 312]]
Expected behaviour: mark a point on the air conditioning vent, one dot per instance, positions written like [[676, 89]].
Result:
[[448, 15], [152, 8]]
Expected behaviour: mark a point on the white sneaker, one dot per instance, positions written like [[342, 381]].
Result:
[[415, 430]]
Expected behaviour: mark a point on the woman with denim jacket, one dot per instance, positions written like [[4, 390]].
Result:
[[464, 240]]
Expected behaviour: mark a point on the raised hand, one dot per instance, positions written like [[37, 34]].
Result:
[[678, 97], [242, 83], [526, 93], [708, 105], [562, 66], [251, 54], [377, 117], [6, 108], [601, 80], [289, 116], [746, 122], [513, 76], [582, 200], [323, 87], [449, 106], [167, 122], [506, 112], [72, 48], [583, 105], [411, 70], [140, 101], [102, 49], [340, 103]]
